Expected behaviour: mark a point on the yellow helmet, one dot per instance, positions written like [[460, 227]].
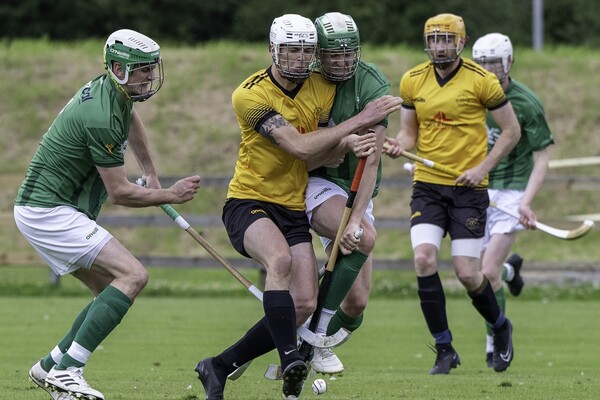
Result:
[[448, 29]]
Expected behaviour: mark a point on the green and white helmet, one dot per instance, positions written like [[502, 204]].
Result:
[[338, 46], [293, 41], [133, 51]]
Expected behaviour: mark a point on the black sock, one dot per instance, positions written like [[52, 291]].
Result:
[[433, 304], [256, 342], [484, 301], [280, 314]]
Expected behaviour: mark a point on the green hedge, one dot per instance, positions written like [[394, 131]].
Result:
[[380, 22]]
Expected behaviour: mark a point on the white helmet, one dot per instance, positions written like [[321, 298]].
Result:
[[134, 51], [494, 48], [293, 41]]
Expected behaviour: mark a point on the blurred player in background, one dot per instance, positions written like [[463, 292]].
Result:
[[517, 178], [280, 110], [357, 83], [77, 166], [443, 114]]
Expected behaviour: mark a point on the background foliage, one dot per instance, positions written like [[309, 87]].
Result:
[[381, 22]]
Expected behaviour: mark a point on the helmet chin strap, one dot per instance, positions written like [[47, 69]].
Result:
[[119, 86]]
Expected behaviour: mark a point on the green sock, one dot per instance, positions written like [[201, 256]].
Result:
[[342, 320], [501, 298], [48, 362], [104, 315], [345, 272]]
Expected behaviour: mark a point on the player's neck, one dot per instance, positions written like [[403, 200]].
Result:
[[286, 84]]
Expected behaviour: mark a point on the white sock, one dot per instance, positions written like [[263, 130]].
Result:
[[56, 355], [510, 272], [326, 316], [489, 344], [79, 353]]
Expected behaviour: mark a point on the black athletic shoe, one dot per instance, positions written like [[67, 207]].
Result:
[[446, 359], [516, 285], [212, 379], [294, 376], [489, 357], [503, 347]]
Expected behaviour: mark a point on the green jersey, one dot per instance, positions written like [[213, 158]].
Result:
[[91, 130], [513, 171], [367, 84]]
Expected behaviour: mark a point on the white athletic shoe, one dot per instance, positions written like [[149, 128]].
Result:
[[37, 374], [325, 361], [72, 381]]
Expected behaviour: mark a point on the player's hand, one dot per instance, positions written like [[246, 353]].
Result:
[[185, 189], [363, 145], [527, 217], [392, 148], [471, 177], [350, 239], [379, 109]]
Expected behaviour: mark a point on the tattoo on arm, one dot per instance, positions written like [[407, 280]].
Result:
[[267, 128]]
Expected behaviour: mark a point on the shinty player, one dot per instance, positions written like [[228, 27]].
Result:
[[443, 114], [517, 178], [280, 110], [357, 84], [78, 165]]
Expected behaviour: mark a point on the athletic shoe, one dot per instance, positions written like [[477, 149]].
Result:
[[446, 359], [294, 376], [37, 374], [72, 381], [212, 379], [325, 361], [516, 285], [503, 347], [489, 357]]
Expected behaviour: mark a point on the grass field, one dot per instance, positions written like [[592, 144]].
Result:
[[152, 354]]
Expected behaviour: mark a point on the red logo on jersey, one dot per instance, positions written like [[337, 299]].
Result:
[[301, 129], [441, 117]]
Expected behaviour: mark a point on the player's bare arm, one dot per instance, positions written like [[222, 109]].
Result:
[[406, 139], [138, 142], [124, 193]]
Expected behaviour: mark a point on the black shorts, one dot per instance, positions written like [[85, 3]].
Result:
[[239, 214], [458, 210]]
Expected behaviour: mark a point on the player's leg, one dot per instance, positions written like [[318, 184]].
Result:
[[116, 278], [492, 262]]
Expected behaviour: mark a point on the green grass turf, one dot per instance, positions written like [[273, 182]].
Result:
[[152, 353]]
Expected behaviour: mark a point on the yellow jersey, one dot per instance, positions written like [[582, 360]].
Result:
[[264, 171], [451, 115]]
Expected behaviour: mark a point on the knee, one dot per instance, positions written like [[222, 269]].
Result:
[[355, 307], [471, 280], [305, 307], [425, 263], [138, 279], [367, 241]]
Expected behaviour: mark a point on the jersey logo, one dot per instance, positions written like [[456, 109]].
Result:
[[109, 147], [441, 117], [85, 94]]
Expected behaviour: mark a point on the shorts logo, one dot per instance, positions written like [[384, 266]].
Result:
[[88, 237], [472, 223], [322, 192], [257, 210], [415, 215]]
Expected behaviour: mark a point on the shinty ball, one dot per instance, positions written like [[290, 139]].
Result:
[[319, 386]]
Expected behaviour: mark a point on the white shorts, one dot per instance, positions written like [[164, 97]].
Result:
[[65, 238], [499, 223], [320, 190]]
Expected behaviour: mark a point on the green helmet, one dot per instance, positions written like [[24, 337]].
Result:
[[134, 51], [338, 46]]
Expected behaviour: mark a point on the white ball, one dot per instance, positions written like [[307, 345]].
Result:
[[408, 167], [319, 386]]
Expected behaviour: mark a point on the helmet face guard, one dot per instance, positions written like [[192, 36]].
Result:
[[445, 37], [293, 41], [339, 46], [140, 62], [494, 52]]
